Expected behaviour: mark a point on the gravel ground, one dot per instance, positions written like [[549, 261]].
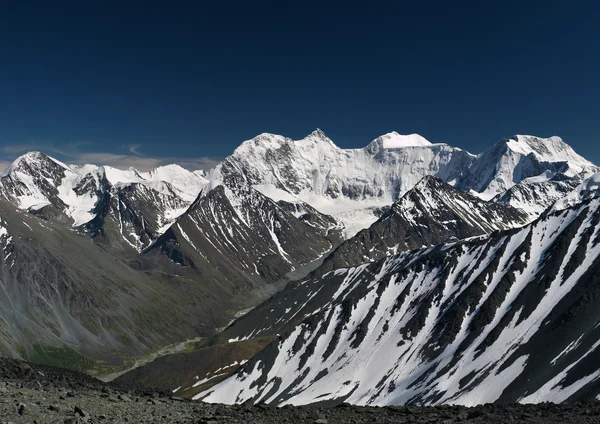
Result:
[[38, 394]]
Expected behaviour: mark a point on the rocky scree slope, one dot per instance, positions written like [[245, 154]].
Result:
[[511, 317]]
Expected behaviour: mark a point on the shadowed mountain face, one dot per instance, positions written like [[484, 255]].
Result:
[[509, 317], [61, 291], [111, 264], [240, 237]]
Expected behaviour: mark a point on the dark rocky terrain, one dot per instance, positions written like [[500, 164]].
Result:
[[41, 394]]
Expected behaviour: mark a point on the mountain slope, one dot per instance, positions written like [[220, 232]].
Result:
[[62, 296], [430, 213], [536, 194], [509, 317], [154, 242], [130, 217], [335, 180], [241, 239]]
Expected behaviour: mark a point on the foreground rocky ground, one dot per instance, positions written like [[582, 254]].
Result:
[[38, 394]]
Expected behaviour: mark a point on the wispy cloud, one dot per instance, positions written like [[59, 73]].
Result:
[[132, 156], [135, 149]]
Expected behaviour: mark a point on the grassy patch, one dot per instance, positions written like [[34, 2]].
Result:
[[64, 356]]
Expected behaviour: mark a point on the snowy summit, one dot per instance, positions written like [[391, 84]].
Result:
[[394, 140]]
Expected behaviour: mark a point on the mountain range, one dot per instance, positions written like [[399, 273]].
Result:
[[405, 272]]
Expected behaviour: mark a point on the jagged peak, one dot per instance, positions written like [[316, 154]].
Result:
[[261, 141], [428, 187], [318, 137], [432, 187], [268, 141], [526, 144], [429, 180], [318, 133], [553, 151]]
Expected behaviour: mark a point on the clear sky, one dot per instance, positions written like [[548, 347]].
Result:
[[153, 82]]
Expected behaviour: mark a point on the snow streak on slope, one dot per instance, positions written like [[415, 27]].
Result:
[[244, 236], [511, 317]]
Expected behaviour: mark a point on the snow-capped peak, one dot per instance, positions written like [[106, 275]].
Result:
[[264, 141], [394, 140], [316, 137], [315, 141], [426, 182], [32, 159], [552, 149], [35, 180]]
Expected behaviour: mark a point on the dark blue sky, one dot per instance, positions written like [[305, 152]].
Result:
[[187, 80]]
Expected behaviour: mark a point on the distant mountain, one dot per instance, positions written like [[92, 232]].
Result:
[[135, 206], [515, 159], [349, 183], [511, 317]]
